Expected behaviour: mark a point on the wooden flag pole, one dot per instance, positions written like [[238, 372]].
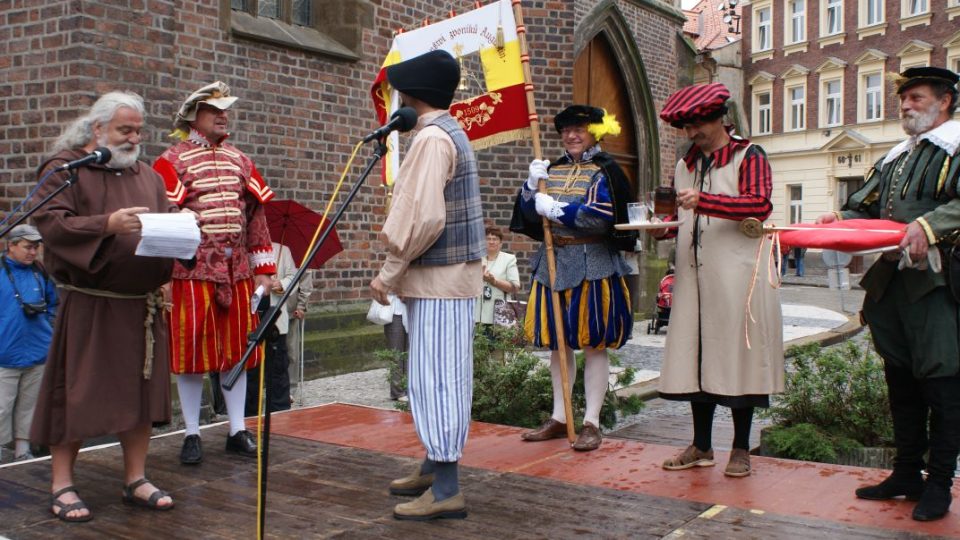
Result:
[[547, 235]]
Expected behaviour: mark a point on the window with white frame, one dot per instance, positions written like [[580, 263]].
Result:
[[834, 17], [763, 113], [796, 204], [916, 7], [795, 96], [798, 21], [833, 111], [956, 62], [764, 27], [874, 12], [873, 96]]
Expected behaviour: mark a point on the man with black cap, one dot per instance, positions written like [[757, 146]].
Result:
[[211, 314], [725, 344], [909, 307], [587, 193], [435, 242]]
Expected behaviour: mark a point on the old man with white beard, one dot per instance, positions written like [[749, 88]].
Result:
[[912, 313], [108, 365]]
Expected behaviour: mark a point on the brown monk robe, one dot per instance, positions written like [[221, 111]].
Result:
[[94, 384]]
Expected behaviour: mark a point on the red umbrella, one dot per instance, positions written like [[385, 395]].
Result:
[[294, 225]]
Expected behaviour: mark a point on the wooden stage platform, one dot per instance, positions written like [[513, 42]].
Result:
[[330, 467]]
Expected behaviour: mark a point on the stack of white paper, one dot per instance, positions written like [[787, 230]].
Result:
[[169, 235]]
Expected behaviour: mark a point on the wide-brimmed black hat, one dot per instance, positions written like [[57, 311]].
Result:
[[431, 77], [577, 115], [927, 75]]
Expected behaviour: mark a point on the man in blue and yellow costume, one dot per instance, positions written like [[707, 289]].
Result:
[[587, 193], [912, 314]]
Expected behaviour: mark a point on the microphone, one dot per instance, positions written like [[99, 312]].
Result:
[[402, 120], [99, 156]]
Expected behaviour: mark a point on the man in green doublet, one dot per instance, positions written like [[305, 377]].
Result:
[[912, 314]]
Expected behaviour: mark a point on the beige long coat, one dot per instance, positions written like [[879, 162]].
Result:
[[706, 348]]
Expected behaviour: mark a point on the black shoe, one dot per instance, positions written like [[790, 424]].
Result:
[[192, 451], [243, 443], [898, 484], [934, 502]]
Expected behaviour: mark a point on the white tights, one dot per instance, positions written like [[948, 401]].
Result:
[[595, 381], [190, 388]]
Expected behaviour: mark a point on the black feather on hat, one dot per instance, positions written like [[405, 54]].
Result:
[[431, 77]]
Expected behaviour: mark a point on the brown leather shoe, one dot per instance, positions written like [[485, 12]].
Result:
[[425, 508], [551, 429], [739, 464], [589, 439], [690, 457], [412, 484]]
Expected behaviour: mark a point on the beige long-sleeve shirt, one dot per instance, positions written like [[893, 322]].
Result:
[[417, 218]]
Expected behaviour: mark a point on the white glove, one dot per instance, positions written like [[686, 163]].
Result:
[[538, 170], [548, 207]]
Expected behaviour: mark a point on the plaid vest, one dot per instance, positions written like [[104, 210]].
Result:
[[462, 238]]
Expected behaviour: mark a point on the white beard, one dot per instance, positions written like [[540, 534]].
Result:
[[121, 157], [915, 123]]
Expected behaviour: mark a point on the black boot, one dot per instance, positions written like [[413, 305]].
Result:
[[934, 503], [192, 451], [243, 443], [899, 484]]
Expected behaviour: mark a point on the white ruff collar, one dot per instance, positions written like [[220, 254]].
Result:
[[946, 136]]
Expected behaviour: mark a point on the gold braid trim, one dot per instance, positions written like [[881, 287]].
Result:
[[942, 179], [154, 303], [931, 238]]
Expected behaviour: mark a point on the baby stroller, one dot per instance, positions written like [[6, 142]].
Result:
[[664, 302]]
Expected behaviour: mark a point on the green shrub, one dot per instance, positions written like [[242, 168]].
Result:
[[834, 397], [512, 387], [806, 442]]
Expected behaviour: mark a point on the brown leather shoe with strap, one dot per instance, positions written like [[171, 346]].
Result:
[[551, 429], [691, 457]]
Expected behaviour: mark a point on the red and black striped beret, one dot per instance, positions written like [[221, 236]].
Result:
[[694, 102]]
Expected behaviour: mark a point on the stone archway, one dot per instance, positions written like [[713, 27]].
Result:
[[606, 47]]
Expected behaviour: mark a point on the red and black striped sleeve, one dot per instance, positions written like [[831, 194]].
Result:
[[756, 187]]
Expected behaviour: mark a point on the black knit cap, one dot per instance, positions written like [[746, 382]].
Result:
[[927, 75], [431, 77], [577, 115]]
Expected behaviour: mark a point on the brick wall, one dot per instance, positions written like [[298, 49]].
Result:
[[300, 113], [936, 33]]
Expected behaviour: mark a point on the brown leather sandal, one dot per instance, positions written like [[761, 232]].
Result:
[[739, 464], [67, 508], [152, 502], [690, 457]]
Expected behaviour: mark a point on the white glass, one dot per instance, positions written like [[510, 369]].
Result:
[[638, 213]]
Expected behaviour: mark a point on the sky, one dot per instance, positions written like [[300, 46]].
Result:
[[687, 4]]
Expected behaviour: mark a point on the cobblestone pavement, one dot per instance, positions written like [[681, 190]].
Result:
[[808, 306]]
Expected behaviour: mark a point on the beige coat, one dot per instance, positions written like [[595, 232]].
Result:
[[709, 305]]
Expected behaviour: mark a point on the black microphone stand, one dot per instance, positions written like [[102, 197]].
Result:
[[257, 336], [23, 217]]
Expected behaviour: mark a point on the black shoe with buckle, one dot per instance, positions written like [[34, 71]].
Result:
[[243, 443], [192, 451]]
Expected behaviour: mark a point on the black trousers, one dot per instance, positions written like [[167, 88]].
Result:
[[277, 375], [916, 404]]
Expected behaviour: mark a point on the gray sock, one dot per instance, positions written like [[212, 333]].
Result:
[[427, 467], [446, 480]]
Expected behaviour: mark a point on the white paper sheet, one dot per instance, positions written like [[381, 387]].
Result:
[[168, 235]]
